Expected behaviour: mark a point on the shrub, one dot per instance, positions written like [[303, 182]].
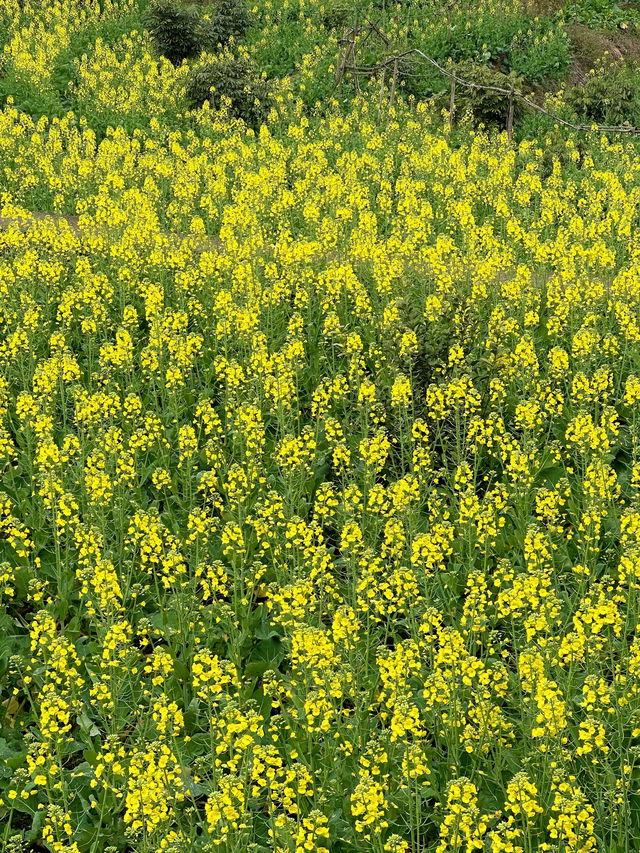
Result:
[[174, 30], [227, 20], [417, 77], [337, 14], [609, 96], [182, 32], [487, 107], [233, 81]]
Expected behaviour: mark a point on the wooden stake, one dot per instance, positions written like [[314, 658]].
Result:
[[392, 93], [510, 117], [384, 74], [452, 105], [356, 79], [341, 53], [343, 58]]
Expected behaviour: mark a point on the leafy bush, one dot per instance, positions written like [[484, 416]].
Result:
[[609, 96], [487, 107], [174, 30], [337, 14], [232, 81], [181, 32], [230, 19]]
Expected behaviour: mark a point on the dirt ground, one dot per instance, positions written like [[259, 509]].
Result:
[[590, 46]]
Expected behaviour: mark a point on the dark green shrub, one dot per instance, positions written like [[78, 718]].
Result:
[[234, 81], [337, 15], [417, 77], [174, 30], [182, 32], [487, 107], [609, 96], [225, 20]]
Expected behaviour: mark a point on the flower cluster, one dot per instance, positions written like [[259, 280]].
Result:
[[320, 450]]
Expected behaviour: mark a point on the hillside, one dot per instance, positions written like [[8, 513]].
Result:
[[319, 428]]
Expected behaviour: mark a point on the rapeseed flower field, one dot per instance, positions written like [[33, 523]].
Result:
[[320, 447]]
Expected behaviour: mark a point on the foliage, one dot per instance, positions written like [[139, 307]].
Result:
[[225, 20], [508, 41], [337, 14], [227, 80], [485, 106], [174, 30], [603, 13], [181, 32], [609, 95]]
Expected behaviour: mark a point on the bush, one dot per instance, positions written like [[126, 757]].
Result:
[[174, 30], [609, 96], [337, 14], [227, 20], [182, 32], [487, 107], [234, 81], [417, 77]]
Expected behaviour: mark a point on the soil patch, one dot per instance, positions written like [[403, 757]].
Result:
[[590, 46]]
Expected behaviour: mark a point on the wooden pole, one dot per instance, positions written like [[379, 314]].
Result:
[[452, 104], [356, 81], [384, 74], [341, 54], [392, 93], [343, 58], [510, 117]]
